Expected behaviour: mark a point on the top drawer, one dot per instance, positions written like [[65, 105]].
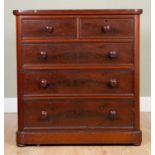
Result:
[[45, 28], [106, 27]]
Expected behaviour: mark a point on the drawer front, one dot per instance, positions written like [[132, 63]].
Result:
[[78, 113], [49, 28], [103, 27], [78, 53], [78, 82]]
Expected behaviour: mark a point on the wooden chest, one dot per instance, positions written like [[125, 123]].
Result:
[[78, 77]]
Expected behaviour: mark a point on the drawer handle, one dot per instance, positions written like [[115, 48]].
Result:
[[106, 28], [112, 114], [49, 29], [112, 54], [43, 83], [113, 83], [43, 115], [43, 55]]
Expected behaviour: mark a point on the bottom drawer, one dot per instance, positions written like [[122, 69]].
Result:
[[78, 113]]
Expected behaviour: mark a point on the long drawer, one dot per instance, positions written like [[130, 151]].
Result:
[[78, 113], [78, 82], [78, 53]]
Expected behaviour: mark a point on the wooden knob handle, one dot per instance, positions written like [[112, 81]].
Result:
[[113, 115], [43, 83], [43, 114], [43, 55], [106, 28], [49, 29], [112, 54], [113, 83]]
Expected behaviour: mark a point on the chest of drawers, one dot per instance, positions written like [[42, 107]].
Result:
[[78, 77]]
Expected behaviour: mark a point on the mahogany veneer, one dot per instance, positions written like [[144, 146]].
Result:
[[78, 77]]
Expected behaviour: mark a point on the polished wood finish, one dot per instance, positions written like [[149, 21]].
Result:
[[78, 75], [78, 12], [69, 113], [79, 82], [106, 27], [48, 28], [78, 53]]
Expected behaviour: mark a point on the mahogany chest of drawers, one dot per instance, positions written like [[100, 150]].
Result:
[[78, 77]]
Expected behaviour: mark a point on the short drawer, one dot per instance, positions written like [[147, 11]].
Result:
[[78, 53], [78, 82], [78, 113], [48, 28], [106, 27]]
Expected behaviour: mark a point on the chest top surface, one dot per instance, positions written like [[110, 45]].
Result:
[[81, 12]]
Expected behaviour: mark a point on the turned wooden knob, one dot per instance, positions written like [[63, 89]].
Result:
[[106, 28], [43, 83], [43, 114], [112, 114], [43, 54], [113, 83], [49, 29], [112, 54]]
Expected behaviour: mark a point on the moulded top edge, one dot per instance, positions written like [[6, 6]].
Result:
[[79, 12]]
